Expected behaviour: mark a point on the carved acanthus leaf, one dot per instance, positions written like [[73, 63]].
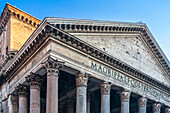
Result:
[[105, 88], [81, 80]]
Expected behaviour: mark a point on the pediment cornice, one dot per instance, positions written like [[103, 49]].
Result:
[[92, 26]]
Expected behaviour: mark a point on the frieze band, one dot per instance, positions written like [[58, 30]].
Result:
[[129, 81]]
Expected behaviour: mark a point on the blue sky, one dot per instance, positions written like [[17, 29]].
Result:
[[155, 13]]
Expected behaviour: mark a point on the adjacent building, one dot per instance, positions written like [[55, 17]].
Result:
[[62, 65]]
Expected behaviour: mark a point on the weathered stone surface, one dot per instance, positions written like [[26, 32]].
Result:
[[123, 47], [13, 104]]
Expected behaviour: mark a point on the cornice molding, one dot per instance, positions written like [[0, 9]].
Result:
[[64, 37]]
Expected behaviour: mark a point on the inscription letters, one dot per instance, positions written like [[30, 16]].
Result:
[[129, 81]]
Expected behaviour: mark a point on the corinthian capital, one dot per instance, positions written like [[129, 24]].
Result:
[[125, 96], [167, 110], [22, 90], [142, 102], [81, 79], [34, 80], [157, 107], [53, 66], [105, 88]]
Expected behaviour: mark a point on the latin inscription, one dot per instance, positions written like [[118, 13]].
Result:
[[129, 81]]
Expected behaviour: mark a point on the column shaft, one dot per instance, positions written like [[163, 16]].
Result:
[[34, 99], [105, 97], [52, 94], [34, 81], [125, 95], [52, 66], [23, 107], [81, 92], [81, 100], [13, 104], [23, 103], [105, 103]]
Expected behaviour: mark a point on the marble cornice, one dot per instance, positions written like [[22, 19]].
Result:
[[148, 38], [64, 37]]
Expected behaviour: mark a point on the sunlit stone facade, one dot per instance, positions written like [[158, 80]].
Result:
[[80, 66]]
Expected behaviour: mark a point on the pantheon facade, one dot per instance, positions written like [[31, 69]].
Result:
[[62, 65]]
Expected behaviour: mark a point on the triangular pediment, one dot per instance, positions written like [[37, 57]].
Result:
[[132, 43], [131, 50]]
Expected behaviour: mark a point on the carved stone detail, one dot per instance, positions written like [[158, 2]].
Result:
[[142, 102], [105, 88], [125, 96], [157, 107], [81, 79], [22, 90], [34, 80], [53, 66], [167, 110]]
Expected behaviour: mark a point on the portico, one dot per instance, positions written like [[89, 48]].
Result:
[[62, 69]]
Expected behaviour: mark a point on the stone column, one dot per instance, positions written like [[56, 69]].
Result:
[[52, 67], [70, 106], [34, 81], [23, 104], [125, 96], [88, 102], [81, 93], [13, 103], [167, 110], [157, 108], [105, 97], [142, 103]]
